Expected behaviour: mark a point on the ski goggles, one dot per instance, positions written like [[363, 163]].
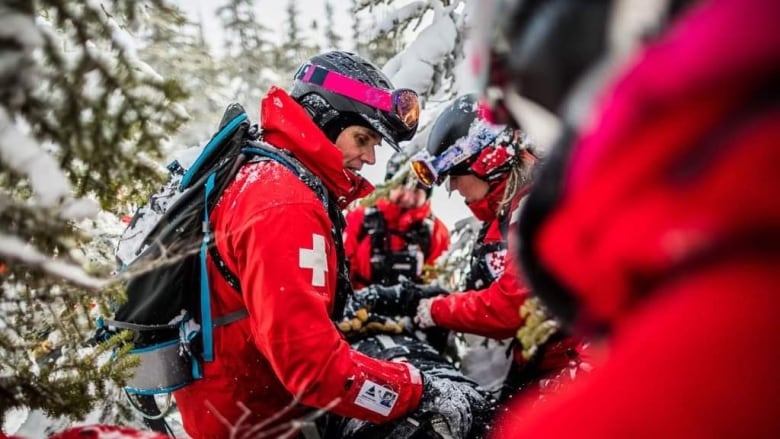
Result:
[[431, 170], [402, 104]]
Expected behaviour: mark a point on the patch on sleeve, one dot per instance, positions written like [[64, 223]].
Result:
[[378, 399], [496, 263]]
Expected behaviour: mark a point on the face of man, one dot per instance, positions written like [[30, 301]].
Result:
[[357, 144]]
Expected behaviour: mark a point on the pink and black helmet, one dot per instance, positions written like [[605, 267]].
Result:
[[340, 89]]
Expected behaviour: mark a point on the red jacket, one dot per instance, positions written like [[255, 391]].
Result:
[[99, 431], [494, 310], [275, 234], [358, 251], [669, 233]]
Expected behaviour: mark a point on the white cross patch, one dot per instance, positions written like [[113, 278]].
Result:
[[316, 259]]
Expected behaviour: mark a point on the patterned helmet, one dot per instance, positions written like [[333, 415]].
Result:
[[462, 141]]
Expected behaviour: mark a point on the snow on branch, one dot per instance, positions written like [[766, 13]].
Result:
[[414, 67], [13, 248], [401, 15], [23, 155]]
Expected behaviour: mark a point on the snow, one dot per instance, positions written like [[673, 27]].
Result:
[[396, 16], [21, 153], [413, 68], [13, 248]]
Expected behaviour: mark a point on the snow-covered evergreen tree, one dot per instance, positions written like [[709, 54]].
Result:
[[332, 38], [248, 58], [82, 120], [295, 47], [192, 63], [433, 33], [378, 47]]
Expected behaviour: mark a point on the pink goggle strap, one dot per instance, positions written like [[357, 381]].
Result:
[[346, 86]]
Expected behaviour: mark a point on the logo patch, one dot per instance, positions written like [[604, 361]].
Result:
[[378, 399]]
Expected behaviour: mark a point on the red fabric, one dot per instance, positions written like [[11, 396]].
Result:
[[493, 311], [359, 251], [99, 432], [267, 228], [106, 432], [671, 238], [485, 209]]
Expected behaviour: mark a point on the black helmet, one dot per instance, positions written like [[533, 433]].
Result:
[[463, 142], [335, 110]]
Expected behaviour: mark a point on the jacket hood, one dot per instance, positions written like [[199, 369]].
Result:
[[679, 165], [285, 124]]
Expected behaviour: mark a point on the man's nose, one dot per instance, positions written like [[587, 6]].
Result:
[[369, 156]]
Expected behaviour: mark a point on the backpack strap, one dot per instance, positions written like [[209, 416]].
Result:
[[343, 283], [223, 269]]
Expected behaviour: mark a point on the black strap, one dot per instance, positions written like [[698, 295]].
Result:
[[343, 283], [228, 275]]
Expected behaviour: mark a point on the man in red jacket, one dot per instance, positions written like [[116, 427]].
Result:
[[392, 240], [283, 242], [659, 225]]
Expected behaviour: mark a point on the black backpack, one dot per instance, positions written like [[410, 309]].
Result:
[[163, 253]]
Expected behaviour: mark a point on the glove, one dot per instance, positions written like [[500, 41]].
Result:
[[362, 322], [396, 300], [458, 403], [423, 317]]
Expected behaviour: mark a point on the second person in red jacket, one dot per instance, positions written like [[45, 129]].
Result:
[[491, 166], [395, 238]]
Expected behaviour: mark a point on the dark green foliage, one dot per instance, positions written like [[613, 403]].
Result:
[[77, 95]]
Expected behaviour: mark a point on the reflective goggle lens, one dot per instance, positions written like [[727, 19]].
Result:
[[424, 172], [406, 105]]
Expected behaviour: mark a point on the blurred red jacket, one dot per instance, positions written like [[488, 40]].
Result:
[[357, 244], [668, 233]]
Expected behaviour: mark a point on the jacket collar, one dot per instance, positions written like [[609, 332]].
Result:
[[287, 125], [486, 209]]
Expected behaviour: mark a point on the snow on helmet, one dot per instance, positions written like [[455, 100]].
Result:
[[341, 88], [462, 141]]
